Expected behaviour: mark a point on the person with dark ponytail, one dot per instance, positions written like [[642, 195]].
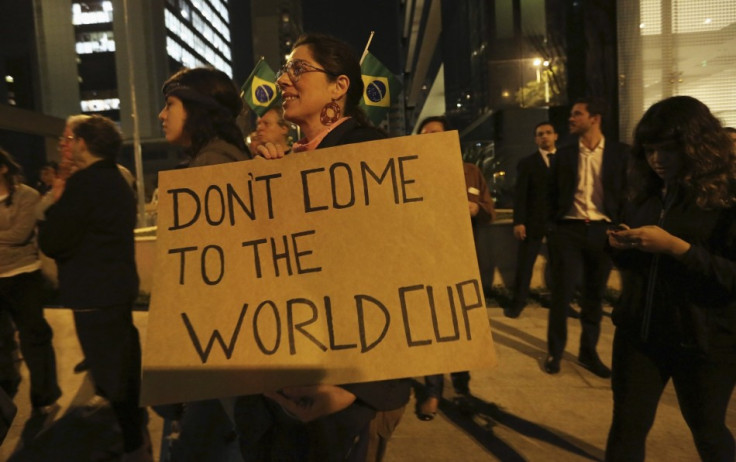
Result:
[[321, 87]]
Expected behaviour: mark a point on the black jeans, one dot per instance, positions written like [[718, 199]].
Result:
[[525, 258], [577, 249], [435, 384], [22, 297], [112, 348], [640, 373]]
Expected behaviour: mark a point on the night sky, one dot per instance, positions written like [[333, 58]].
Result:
[[353, 22]]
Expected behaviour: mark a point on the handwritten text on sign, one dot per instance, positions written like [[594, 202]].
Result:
[[340, 265]]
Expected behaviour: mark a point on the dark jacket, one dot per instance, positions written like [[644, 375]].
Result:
[[217, 151], [89, 232], [564, 178], [688, 304], [531, 196]]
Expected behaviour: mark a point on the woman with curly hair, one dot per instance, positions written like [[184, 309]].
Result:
[[676, 318]]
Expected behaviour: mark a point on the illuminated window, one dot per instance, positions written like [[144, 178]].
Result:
[[685, 50], [173, 49], [92, 13], [95, 42], [100, 105]]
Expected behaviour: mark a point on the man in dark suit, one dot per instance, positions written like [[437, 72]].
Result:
[[531, 211], [586, 192], [89, 232]]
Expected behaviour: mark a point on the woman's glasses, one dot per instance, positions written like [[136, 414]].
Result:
[[296, 67]]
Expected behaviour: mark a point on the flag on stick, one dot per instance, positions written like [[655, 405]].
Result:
[[381, 88], [259, 90]]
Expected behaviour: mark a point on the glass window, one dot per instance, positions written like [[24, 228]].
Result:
[[687, 50], [504, 19], [95, 42], [533, 17]]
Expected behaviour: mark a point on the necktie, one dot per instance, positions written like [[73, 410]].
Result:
[[551, 157]]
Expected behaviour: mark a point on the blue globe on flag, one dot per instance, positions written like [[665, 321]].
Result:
[[264, 94], [375, 91]]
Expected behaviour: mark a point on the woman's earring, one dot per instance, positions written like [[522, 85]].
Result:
[[330, 113]]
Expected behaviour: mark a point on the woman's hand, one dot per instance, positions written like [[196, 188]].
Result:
[[652, 239], [474, 208], [270, 150], [312, 402], [616, 239], [57, 188]]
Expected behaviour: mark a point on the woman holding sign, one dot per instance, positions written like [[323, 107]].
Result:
[[321, 87], [199, 115]]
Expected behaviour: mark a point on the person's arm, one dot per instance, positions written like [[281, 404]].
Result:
[[651, 239], [700, 261], [312, 402], [66, 222], [521, 194], [480, 202], [553, 187], [24, 222], [487, 212]]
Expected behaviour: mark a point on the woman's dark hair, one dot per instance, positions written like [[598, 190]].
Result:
[[338, 58], [446, 126], [212, 103], [12, 176], [709, 162]]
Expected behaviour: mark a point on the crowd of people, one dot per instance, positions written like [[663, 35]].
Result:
[[661, 211]]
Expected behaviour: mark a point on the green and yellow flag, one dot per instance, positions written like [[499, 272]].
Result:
[[259, 90], [381, 88]]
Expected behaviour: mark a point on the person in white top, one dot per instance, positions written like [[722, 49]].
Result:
[[586, 193], [21, 287]]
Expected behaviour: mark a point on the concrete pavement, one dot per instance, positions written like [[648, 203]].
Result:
[[519, 412]]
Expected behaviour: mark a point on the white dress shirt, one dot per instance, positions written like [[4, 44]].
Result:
[[588, 202]]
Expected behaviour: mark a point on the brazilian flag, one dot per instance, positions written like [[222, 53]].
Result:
[[259, 90], [381, 88]]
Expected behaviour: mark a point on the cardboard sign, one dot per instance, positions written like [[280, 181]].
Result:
[[340, 265]]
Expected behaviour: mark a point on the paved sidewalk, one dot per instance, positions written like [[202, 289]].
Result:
[[519, 412], [523, 414]]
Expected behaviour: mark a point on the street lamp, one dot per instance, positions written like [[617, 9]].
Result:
[[537, 62]]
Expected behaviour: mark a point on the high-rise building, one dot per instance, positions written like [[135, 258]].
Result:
[[111, 57]]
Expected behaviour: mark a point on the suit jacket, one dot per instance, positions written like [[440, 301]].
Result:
[[531, 197], [564, 179], [89, 232]]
